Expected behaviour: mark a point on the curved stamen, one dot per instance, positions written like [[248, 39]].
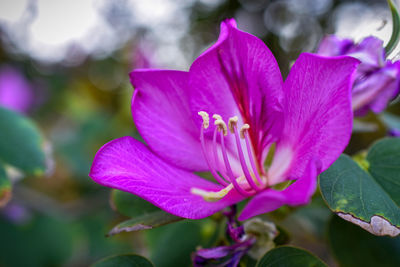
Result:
[[229, 169], [233, 129], [205, 125], [216, 159], [244, 135]]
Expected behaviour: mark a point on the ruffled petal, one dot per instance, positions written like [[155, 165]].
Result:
[[377, 90], [239, 76], [318, 114], [128, 165], [332, 46], [370, 52], [160, 109], [298, 193]]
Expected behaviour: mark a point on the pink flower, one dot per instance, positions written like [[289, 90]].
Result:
[[377, 80], [15, 91], [307, 118]]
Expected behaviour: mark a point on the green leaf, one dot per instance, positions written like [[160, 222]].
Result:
[[146, 221], [130, 205], [287, 256], [173, 245], [5, 187], [20, 143], [38, 241], [128, 260], [369, 198], [353, 247], [394, 39]]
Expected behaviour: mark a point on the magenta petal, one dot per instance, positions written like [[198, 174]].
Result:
[[318, 113], [160, 109], [376, 91], [298, 193], [239, 76], [332, 45], [370, 52], [128, 165]]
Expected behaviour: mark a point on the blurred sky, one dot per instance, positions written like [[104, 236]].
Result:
[[48, 30]]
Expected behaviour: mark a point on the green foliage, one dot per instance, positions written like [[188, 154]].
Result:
[[43, 241], [363, 194], [129, 260], [130, 205], [354, 247], [5, 187], [172, 245], [21, 143], [287, 256], [144, 214], [145, 221]]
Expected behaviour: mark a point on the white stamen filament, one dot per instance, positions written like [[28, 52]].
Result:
[[247, 184]]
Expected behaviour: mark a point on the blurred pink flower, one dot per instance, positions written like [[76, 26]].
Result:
[[15, 91], [307, 118], [377, 80]]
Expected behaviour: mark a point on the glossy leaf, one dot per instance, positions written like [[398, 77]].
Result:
[[369, 198], [130, 205], [128, 260], [354, 247], [5, 187], [287, 256], [146, 221], [20, 143]]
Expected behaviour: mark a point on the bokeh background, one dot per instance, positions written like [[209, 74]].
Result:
[[74, 58]]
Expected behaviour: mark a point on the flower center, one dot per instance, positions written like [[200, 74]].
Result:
[[247, 184]]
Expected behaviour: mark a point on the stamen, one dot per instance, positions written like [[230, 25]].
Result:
[[244, 130], [217, 117], [244, 135], [210, 195], [232, 123], [216, 159], [203, 147], [229, 170], [243, 161], [221, 126], [206, 119]]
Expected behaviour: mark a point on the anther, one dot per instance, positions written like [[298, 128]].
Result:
[[206, 119], [244, 129], [232, 123], [221, 126], [217, 117]]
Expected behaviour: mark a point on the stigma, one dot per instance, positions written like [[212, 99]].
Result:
[[250, 181]]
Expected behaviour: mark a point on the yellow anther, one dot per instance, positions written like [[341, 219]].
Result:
[[206, 119], [211, 196], [244, 129], [232, 123], [221, 126], [217, 117]]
